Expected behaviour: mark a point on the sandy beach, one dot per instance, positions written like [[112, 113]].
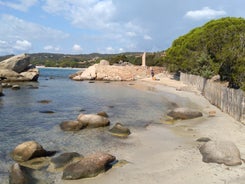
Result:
[[168, 153]]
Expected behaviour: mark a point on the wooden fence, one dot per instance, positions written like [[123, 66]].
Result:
[[230, 101]]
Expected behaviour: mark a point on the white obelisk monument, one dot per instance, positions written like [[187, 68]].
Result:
[[143, 59]]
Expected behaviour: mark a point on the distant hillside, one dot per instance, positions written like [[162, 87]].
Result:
[[5, 57], [85, 60]]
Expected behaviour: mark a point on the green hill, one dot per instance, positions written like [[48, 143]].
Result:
[[86, 60], [218, 47]]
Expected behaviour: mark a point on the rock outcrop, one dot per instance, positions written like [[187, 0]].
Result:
[[93, 120], [18, 68], [104, 71], [89, 166], [221, 152], [29, 150], [17, 63]]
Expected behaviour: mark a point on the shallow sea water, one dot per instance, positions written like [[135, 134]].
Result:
[[21, 118]]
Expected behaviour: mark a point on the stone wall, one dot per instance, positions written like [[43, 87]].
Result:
[[230, 101]]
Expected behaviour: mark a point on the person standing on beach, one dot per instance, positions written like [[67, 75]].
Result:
[[152, 73]]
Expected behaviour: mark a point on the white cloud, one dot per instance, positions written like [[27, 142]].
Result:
[[51, 48], [14, 30], [130, 34], [22, 45], [204, 13], [76, 48], [2, 42], [83, 14], [121, 50], [20, 29], [110, 50], [103, 19], [21, 5], [147, 37]]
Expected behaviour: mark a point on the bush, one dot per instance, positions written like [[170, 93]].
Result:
[[218, 47]]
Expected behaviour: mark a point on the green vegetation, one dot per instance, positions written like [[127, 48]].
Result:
[[218, 47], [80, 61], [152, 59]]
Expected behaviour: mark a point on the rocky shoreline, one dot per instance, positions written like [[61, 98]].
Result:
[[206, 140], [16, 69], [106, 72], [189, 142]]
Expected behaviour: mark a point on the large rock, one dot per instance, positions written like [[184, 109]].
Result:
[[71, 125], [89, 166], [104, 62], [221, 152], [31, 74], [17, 175], [29, 150], [18, 68], [103, 71], [17, 63], [184, 113], [6, 73], [90, 73], [93, 120]]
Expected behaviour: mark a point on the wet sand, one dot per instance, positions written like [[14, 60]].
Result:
[[168, 153]]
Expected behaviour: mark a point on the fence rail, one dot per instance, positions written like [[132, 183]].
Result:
[[230, 101]]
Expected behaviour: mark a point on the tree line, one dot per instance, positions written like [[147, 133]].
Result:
[[216, 48]]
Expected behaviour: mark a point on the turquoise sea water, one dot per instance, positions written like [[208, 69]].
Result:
[[21, 118]]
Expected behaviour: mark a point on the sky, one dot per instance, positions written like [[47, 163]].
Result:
[[104, 26]]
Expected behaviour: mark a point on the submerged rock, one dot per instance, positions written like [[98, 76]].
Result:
[[102, 113], [44, 101], [17, 175], [221, 152], [6, 85], [60, 162], [71, 125], [47, 112], [36, 163], [119, 130], [89, 166], [203, 139], [121, 163], [15, 87], [184, 113], [1, 90]]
